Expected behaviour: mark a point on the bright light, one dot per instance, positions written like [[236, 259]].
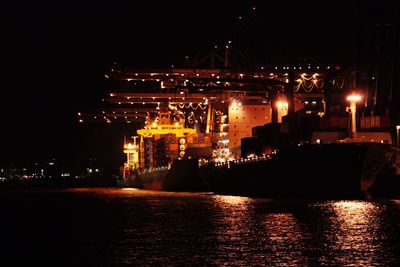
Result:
[[398, 127], [282, 105], [129, 189], [354, 97]]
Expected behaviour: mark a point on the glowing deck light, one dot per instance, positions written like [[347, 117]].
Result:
[[282, 105], [353, 98]]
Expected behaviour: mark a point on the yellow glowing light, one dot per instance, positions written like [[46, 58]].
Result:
[[282, 104], [129, 189], [354, 97]]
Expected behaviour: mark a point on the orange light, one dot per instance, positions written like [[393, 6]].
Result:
[[282, 105], [354, 97]]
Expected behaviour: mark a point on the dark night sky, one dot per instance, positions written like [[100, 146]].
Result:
[[55, 54]]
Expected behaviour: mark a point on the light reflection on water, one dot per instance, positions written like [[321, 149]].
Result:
[[355, 232], [147, 228]]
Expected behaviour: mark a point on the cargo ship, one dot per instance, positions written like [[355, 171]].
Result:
[[322, 169], [192, 123], [337, 170]]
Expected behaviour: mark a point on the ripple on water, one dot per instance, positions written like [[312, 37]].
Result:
[[147, 228]]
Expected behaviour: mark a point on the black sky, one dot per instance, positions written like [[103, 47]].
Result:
[[56, 54]]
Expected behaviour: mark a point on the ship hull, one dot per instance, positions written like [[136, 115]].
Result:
[[183, 176], [311, 171]]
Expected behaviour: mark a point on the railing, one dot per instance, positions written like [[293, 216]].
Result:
[[150, 170], [228, 163]]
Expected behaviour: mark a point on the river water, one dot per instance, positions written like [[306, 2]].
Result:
[[127, 227]]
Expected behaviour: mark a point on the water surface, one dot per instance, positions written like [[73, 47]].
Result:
[[122, 227]]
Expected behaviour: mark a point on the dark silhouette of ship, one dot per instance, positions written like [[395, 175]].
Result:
[[340, 170]]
